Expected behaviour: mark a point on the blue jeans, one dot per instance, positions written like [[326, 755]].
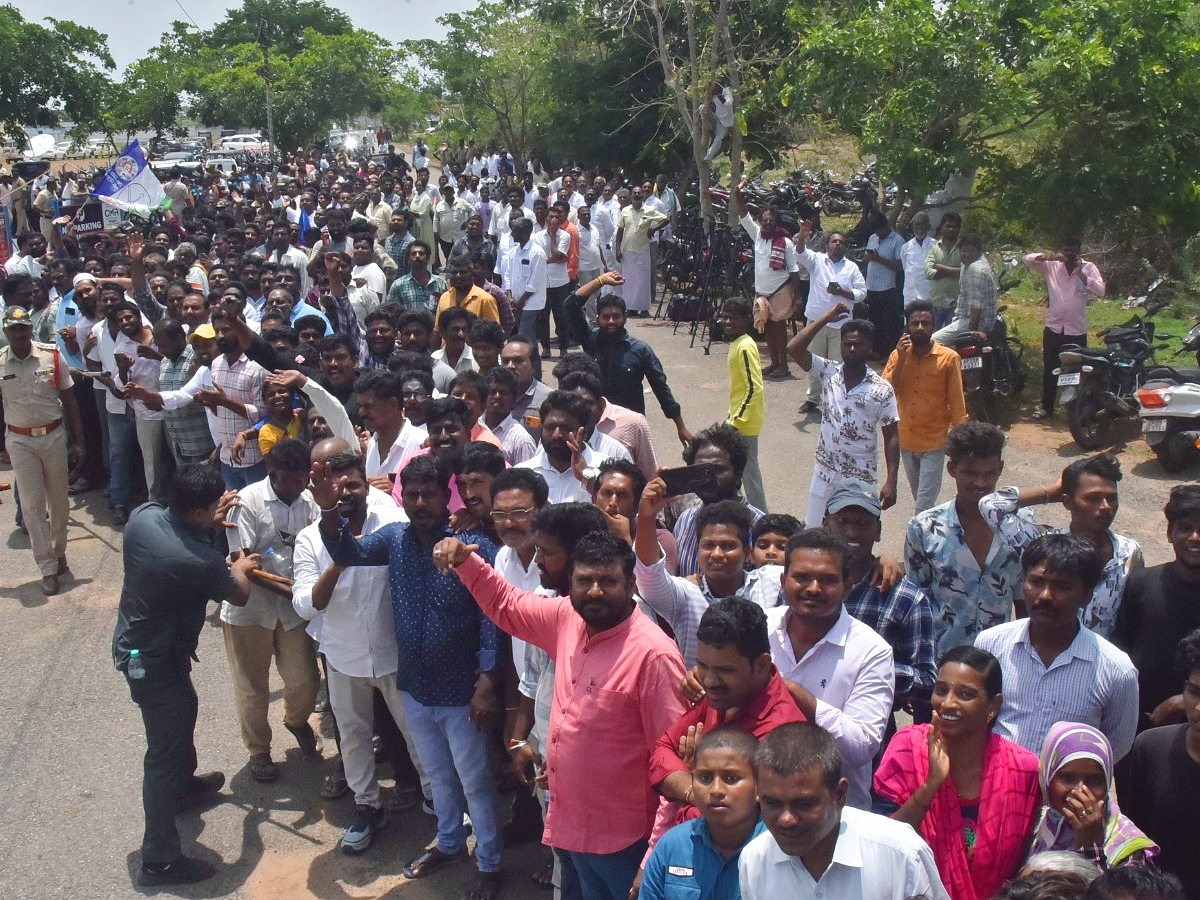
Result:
[[455, 756], [600, 876], [122, 445], [237, 477]]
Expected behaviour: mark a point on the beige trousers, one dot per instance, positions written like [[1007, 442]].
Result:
[[250, 648], [40, 468]]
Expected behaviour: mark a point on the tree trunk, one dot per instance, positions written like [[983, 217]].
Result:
[[733, 69]]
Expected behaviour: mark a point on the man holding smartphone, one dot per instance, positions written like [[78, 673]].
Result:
[[834, 279]]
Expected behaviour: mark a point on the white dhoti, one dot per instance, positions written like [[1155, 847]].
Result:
[[636, 267]]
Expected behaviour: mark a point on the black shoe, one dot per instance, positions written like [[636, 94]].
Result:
[[120, 515], [184, 870], [808, 407], [201, 789], [306, 738]]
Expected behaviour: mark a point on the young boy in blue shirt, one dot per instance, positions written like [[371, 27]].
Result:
[[702, 854]]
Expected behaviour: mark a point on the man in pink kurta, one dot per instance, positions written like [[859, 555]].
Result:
[[616, 690]]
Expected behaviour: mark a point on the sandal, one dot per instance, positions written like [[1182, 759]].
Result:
[[262, 769], [79, 486], [544, 877], [430, 861], [487, 887]]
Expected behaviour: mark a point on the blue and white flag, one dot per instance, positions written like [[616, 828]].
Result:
[[131, 185]]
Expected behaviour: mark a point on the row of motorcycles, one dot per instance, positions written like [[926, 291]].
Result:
[[1100, 386]]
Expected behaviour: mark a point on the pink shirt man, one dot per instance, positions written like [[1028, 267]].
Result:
[[1070, 292], [615, 693]]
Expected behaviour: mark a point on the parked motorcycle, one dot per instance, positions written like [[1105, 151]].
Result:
[[990, 368], [1099, 385], [1169, 404]]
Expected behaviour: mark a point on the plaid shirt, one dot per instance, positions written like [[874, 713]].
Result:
[[187, 428], [508, 316], [977, 290], [410, 295], [345, 321], [397, 249], [241, 381], [904, 618]]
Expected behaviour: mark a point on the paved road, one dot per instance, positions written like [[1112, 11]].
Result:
[[71, 743]]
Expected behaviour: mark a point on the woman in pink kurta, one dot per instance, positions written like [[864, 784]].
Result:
[[971, 794]]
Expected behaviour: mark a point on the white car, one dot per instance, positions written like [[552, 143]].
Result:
[[251, 142], [222, 164], [61, 150]]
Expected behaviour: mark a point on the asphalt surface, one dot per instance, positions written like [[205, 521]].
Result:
[[71, 740]]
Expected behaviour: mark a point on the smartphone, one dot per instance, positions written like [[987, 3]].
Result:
[[689, 479]]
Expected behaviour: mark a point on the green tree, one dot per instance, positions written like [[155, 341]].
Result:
[[49, 72]]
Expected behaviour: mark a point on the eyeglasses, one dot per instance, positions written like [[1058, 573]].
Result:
[[516, 515], [414, 395]]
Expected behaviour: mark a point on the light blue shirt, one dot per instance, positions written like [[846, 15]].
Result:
[[68, 314], [685, 864], [302, 309], [879, 276]]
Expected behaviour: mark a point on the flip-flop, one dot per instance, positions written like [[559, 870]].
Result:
[[430, 861], [80, 486]]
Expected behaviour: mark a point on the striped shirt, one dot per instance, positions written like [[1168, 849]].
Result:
[[187, 428], [242, 380], [681, 602], [689, 541], [1090, 682]]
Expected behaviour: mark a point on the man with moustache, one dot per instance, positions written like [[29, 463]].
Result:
[[448, 666], [927, 379], [815, 846], [564, 420], [616, 686], [1055, 670]]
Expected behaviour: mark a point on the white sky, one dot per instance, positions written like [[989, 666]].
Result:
[[133, 26]]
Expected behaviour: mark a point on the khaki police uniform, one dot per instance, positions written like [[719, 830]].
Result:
[[37, 445]]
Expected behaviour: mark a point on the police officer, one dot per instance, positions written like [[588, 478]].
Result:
[[36, 389]]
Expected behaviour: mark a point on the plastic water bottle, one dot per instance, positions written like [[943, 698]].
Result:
[[135, 668], [278, 562]]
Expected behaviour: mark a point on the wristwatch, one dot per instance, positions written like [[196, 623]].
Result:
[[590, 474]]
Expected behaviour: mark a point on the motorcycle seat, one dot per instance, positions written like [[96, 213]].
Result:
[[1186, 375]]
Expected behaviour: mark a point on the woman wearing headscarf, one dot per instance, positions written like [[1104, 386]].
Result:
[[970, 793], [1081, 811]]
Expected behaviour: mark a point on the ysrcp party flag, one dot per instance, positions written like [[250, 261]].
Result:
[[131, 185]]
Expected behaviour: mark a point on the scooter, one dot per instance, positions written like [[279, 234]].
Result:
[[1169, 404]]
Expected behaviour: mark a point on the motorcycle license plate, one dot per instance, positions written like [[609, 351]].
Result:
[[1151, 425], [973, 362], [1069, 378]]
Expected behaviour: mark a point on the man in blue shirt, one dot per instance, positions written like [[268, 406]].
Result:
[[700, 857], [448, 667]]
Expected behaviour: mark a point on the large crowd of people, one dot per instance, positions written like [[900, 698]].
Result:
[[333, 391]]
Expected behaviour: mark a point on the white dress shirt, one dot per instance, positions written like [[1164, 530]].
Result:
[[556, 272], [875, 858], [564, 486], [590, 259], [356, 631], [527, 578], [1090, 682], [408, 441], [526, 271], [852, 673], [264, 521], [912, 257], [821, 272]]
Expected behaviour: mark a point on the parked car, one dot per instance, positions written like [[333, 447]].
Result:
[[236, 142]]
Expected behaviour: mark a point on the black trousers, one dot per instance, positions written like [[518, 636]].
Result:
[[1052, 343], [554, 307], [577, 326], [168, 703], [883, 309]]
